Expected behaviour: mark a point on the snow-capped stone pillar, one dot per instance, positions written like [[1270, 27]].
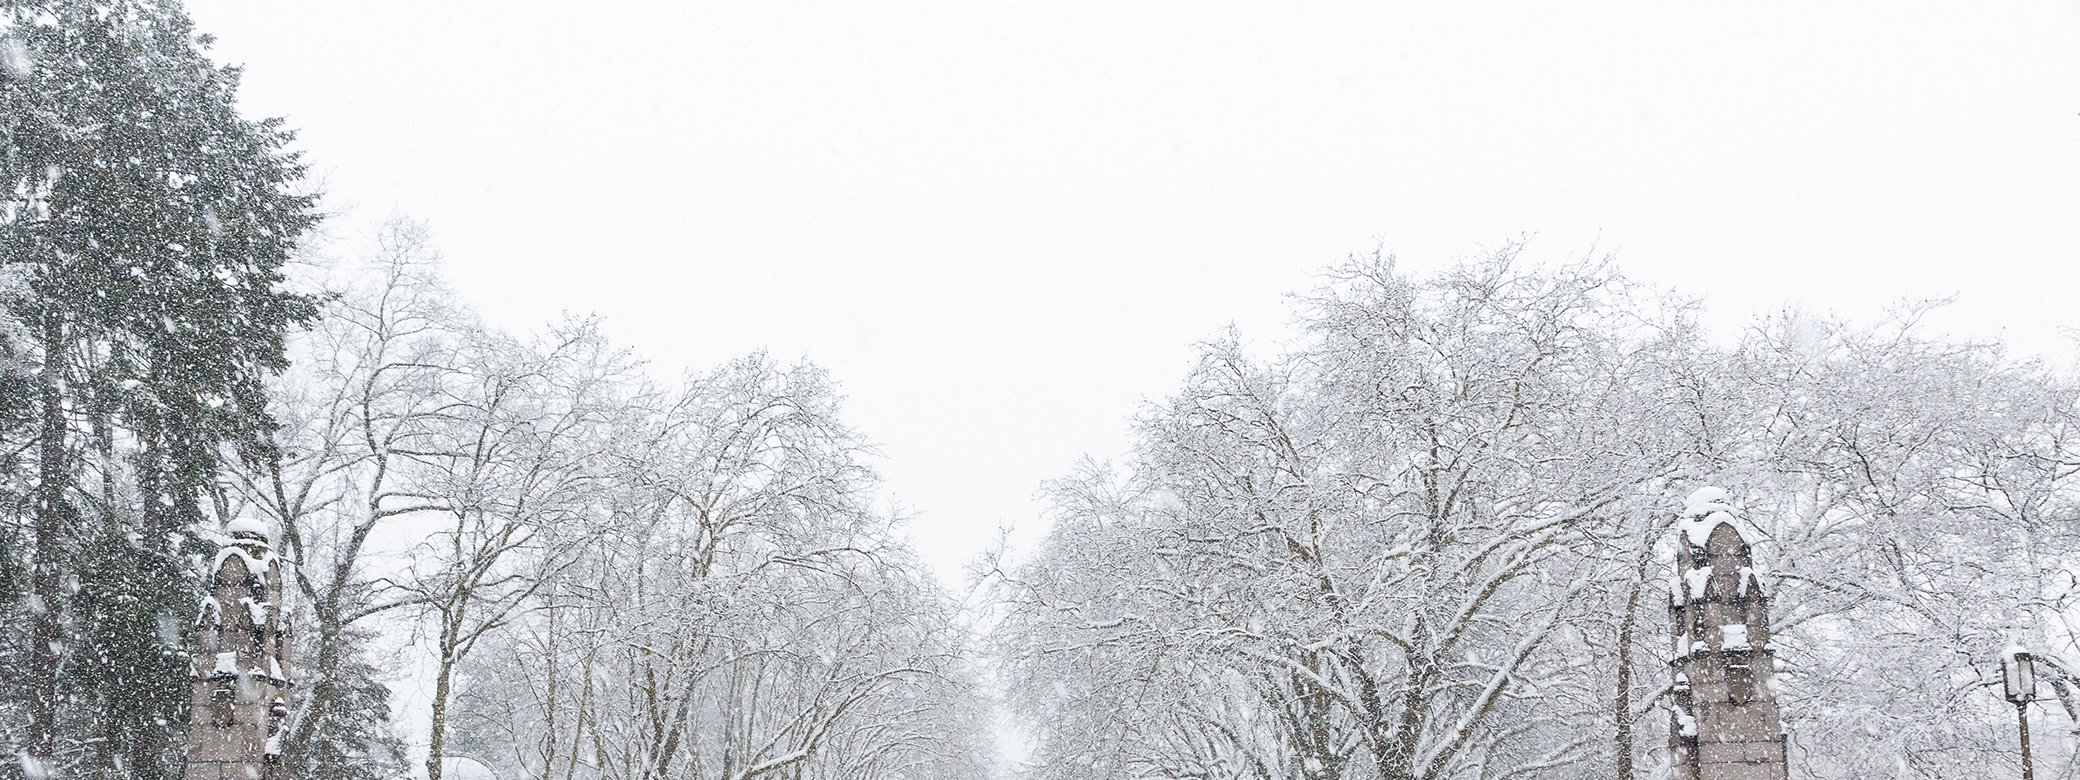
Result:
[[1726, 725], [240, 677]]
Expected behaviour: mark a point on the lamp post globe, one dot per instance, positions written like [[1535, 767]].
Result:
[[2019, 679]]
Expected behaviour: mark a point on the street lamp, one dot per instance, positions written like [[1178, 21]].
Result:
[[2019, 673]]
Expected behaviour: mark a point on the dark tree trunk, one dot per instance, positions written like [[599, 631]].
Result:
[[1621, 706], [53, 518]]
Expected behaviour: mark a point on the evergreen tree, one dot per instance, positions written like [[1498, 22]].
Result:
[[352, 739], [147, 224]]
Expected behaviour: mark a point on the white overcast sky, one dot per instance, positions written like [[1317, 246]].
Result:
[[1002, 226]]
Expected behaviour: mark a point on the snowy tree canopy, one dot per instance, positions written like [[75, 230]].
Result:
[[1421, 545]]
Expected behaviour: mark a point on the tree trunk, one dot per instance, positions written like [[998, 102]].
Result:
[[438, 732], [47, 643], [1621, 706]]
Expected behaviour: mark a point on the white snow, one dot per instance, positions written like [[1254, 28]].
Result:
[[255, 564], [1698, 531], [227, 663], [1733, 636], [1703, 511], [1749, 579], [1698, 579], [33, 768], [1704, 500], [1682, 682], [15, 62], [246, 525], [2013, 649], [212, 613], [257, 610], [466, 768], [1685, 725], [274, 672], [2019, 679]]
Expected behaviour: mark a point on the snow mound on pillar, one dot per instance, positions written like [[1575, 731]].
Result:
[[1706, 499], [1703, 511], [464, 768], [246, 525]]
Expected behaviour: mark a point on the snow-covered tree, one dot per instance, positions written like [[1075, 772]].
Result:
[[745, 613], [357, 411], [1917, 501], [1421, 546], [1379, 557], [513, 478]]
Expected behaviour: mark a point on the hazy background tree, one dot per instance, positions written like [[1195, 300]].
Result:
[[748, 612], [616, 580], [515, 472], [359, 411]]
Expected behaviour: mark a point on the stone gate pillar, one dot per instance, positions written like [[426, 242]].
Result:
[[240, 677], [1726, 725]]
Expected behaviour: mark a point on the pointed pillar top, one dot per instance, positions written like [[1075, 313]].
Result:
[[1703, 512]]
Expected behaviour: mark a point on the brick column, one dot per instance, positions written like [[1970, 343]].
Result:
[[1726, 725], [240, 676]]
